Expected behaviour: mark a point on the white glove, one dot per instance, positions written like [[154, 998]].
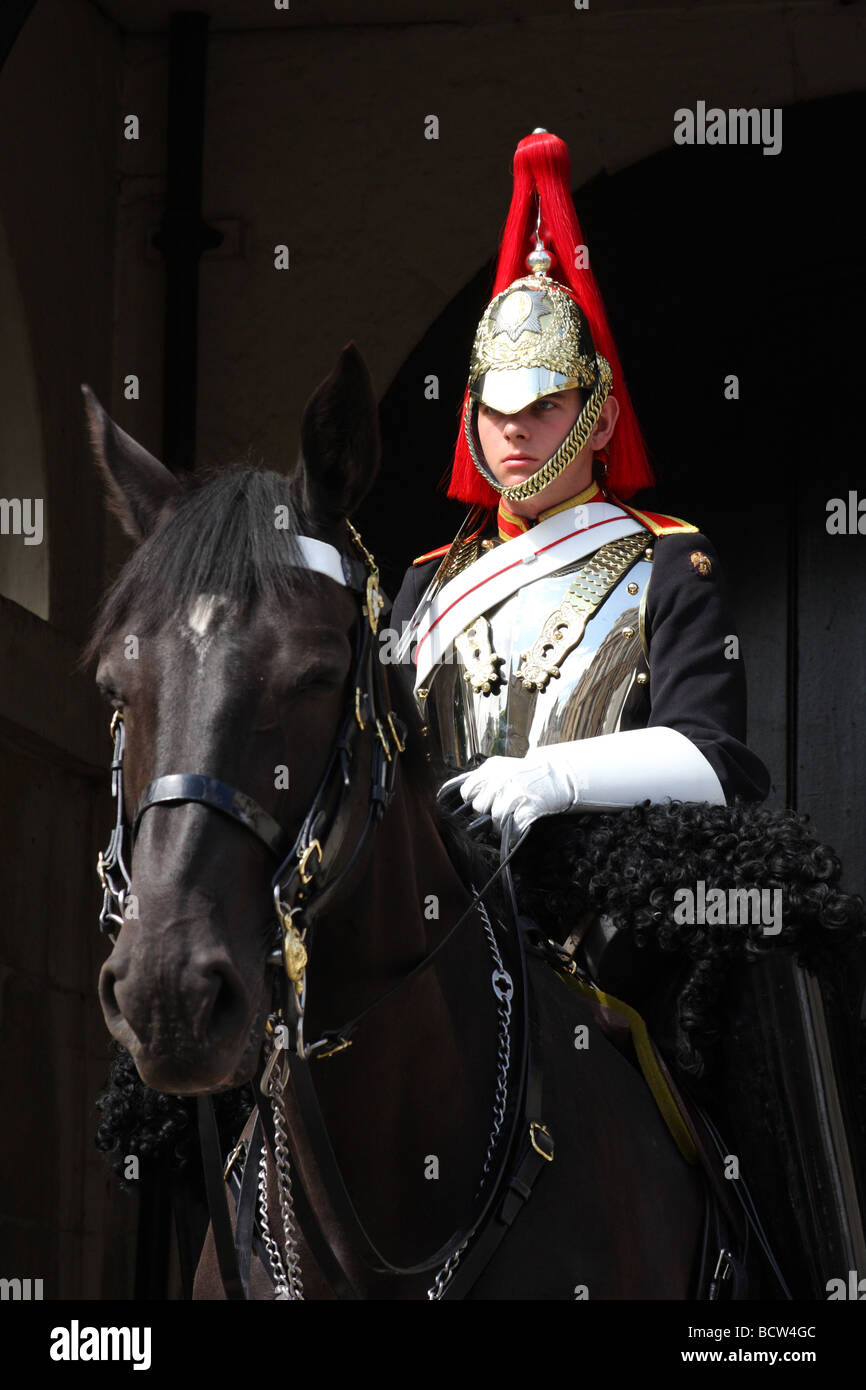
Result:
[[607, 773]]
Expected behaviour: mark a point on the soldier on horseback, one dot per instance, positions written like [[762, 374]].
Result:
[[602, 660], [572, 653]]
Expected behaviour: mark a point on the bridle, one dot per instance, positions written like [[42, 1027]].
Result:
[[311, 871]]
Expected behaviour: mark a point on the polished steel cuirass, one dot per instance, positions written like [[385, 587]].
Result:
[[584, 700]]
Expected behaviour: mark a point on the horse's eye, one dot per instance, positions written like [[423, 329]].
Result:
[[317, 680], [110, 695]]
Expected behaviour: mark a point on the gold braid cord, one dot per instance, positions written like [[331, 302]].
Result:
[[360, 546], [374, 600], [568, 450], [565, 627]]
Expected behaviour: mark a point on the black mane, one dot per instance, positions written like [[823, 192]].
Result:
[[222, 539]]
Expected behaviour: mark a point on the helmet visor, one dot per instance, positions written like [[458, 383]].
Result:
[[512, 390]]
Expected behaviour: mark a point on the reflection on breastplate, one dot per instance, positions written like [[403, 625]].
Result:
[[584, 700]]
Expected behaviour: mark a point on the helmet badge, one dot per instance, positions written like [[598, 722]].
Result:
[[521, 312]]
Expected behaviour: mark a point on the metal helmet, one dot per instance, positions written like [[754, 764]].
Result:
[[533, 341], [543, 332]]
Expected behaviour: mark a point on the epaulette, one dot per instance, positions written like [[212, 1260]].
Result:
[[657, 522], [436, 554], [441, 551]]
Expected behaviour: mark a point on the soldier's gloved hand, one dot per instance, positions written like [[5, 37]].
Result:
[[529, 787], [606, 773]]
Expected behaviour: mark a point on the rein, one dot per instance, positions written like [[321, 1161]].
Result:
[[312, 870]]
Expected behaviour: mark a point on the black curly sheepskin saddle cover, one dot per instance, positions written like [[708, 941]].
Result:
[[726, 926]]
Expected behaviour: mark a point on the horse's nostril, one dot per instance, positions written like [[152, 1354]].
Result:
[[107, 997], [228, 1004]]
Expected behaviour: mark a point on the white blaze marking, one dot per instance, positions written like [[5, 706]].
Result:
[[203, 614]]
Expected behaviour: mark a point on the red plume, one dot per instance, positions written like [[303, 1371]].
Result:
[[542, 165]]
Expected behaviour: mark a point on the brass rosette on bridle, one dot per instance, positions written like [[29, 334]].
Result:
[[534, 341]]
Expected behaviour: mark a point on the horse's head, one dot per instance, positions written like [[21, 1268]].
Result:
[[228, 658]]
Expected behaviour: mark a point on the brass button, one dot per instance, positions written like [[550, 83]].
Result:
[[487, 545], [628, 632], [648, 553], [422, 692], [632, 588], [642, 678]]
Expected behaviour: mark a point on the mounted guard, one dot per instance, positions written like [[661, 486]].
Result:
[[570, 652]]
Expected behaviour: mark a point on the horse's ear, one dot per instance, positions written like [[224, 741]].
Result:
[[339, 442], [141, 491]]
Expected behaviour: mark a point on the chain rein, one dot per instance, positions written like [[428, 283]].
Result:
[[503, 988], [285, 1265]]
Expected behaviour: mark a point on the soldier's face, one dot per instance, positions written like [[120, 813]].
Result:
[[516, 446]]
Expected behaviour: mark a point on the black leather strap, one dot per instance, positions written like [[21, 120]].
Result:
[[212, 1163], [313, 883], [245, 1212], [220, 796]]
